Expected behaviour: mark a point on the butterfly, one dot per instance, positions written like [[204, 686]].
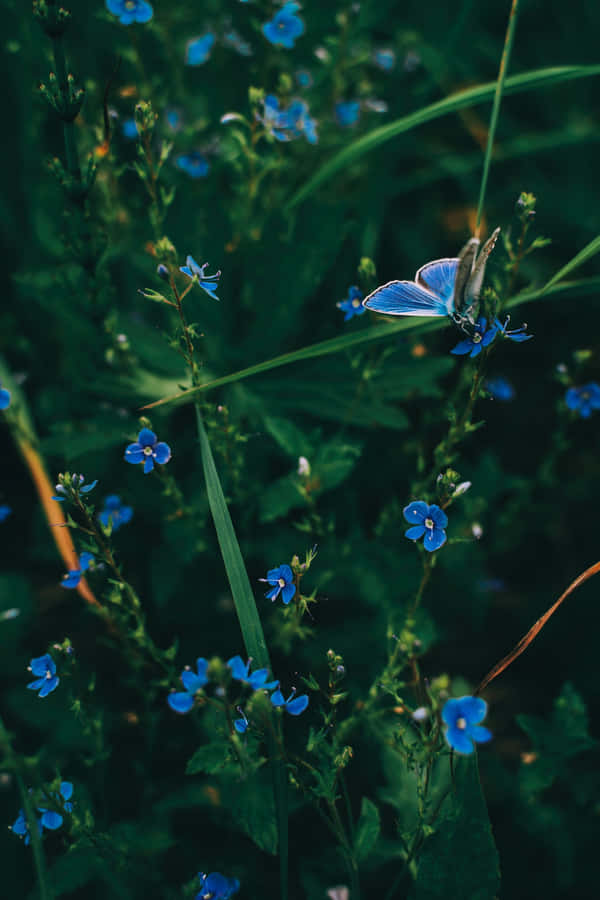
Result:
[[443, 287]]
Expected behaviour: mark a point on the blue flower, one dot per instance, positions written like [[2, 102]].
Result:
[[282, 581], [197, 50], [241, 725], [173, 118], [147, 449], [44, 668], [500, 388], [352, 306], [290, 123], [285, 26], [208, 283], [5, 512], [426, 520], [183, 701], [194, 164], [304, 78], [4, 398], [384, 58], [462, 715], [481, 337], [517, 334], [115, 512], [129, 129], [584, 399], [216, 887], [295, 706], [76, 484], [49, 818], [72, 579], [240, 671], [130, 11], [347, 112]]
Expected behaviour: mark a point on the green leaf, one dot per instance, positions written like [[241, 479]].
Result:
[[372, 333], [250, 625], [538, 78], [460, 858], [210, 758], [367, 829], [250, 803], [588, 251]]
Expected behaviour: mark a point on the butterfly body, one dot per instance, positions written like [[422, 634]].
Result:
[[443, 287]]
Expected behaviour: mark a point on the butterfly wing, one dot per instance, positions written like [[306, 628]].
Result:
[[405, 298], [439, 277], [475, 282]]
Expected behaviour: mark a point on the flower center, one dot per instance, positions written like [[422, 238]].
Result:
[[461, 723], [147, 451], [281, 582], [584, 395], [281, 25], [476, 338], [429, 523], [356, 302], [130, 4]]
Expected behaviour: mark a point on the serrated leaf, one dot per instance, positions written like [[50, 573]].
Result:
[[211, 758]]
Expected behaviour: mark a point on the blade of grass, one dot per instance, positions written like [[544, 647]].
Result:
[[588, 251], [538, 78], [373, 333], [508, 42], [250, 624]]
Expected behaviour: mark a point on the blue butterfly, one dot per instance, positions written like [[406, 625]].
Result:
[[443, 287]]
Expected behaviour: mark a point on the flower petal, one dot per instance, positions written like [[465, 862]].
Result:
[[414, 533], [459, 740], [191, 681], [277, 698], [147, 438], [452, 710], [84, 560], [479, 733], [42, 664], [416, 512], [287, 593], [37, 684], [473, 709], [239, 669], [438, 515], [180, 702], [51, 820], [50, 685], [148, 465], [434, 539], [66, 790], [240, 725], [134, 453], [162, 453], [297, 706]]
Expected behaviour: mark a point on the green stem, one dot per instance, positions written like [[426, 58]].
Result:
[[508, 41]]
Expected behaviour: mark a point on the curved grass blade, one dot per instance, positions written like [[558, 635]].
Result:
[[535, 629], [588, 251], [250, 624], [372, 333], [538, 78]]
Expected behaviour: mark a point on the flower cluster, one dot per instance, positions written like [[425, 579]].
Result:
[[290, 123], [462, 716], [352, 305], [281, 580], [426, 520], [285, 26], [148, 450], [183, 701], [70, 486], [73, 576], [44, 668], [48, 818], [584, 399]]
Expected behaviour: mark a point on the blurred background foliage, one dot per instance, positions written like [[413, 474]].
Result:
[[367, 418]]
